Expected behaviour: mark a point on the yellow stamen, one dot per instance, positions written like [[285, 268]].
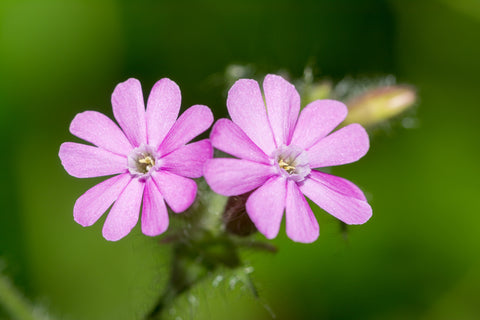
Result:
[[148, 161], [285, 166]]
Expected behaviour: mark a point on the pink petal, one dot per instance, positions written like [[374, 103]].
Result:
[[98, 129], [317, 120], [283, 105], [92, 204], [163, 106], [228, 137], [129, 110], [191, 123], [154, 212], [84, 161], [338, 184], [188, 161], [343, 207], [179, 192], [265, 206], [231, 177], [343, 146], [302, 226], [247, 109], [124, 214]]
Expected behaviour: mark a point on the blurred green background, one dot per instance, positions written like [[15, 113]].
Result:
[[417, 258]]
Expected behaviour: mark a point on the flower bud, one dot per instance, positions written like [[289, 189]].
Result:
[[379, 104]]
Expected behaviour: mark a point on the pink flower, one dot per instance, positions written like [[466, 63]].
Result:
[[277, 150], [150, 158]]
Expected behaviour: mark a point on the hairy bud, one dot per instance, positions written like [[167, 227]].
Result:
[[380, 104]]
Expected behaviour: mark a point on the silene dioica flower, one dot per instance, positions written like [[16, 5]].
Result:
[[149, 156], [277, 152]]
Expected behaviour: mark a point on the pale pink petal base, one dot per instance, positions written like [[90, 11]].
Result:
[[283, 105], [188, 160], [100, 130], [154, 212], [190, 124], [302, 226], [230, 177], [124, 214], [179, 192], [247, 109], [265, 206], [93, 203], [317, 120], [230, 138], [346, 208], [163, 106], [82, 161], [129, 110], [343, 146], [338, 184]]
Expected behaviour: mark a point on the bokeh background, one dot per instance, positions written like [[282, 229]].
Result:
[[417, 258]]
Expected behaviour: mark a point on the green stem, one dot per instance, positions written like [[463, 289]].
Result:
[[13, 302], [182, 278]]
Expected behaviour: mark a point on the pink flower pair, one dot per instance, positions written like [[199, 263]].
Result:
[[276, 152]]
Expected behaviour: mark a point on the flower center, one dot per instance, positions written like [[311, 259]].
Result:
[[142, 161], [285, 166], [292, 162], [146, 164]]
